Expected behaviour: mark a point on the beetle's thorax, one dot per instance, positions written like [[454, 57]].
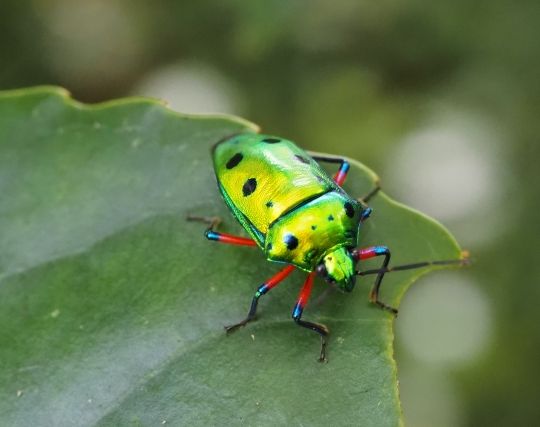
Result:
[[307, 234]]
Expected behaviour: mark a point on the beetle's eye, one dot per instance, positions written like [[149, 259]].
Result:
[[321, 270]]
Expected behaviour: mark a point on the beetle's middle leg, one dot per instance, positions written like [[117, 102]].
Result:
[[275, 280], [211, 233]]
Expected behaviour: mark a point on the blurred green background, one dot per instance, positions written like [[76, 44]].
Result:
[[440, 98]]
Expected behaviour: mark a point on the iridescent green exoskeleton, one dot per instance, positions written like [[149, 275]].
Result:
[[294, 211], [297, 215]]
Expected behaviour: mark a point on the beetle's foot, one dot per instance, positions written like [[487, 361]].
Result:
[[322, 356], [231, 328], [386, 307], [374, 299], [211, 221]]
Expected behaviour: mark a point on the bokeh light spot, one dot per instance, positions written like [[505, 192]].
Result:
[[447, 321], [453, 169], [429, 398], [95, 42], [190, 88]]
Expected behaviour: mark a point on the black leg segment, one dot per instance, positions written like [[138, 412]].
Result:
[[322, 330], [365, 199], [374, 251], [341, 175], [211, 233], [261, 290], [344, 166]]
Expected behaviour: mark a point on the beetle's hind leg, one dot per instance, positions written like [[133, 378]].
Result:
[[211, 233], [341, 174], [343, 170], [321, 329], [365, 199], [261, 290], [212, 221]]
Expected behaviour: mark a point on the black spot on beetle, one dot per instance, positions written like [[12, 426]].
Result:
[[269, 247], [249, 186], [271, 140], [313, 227], [291, 241], [234, 160], [349, 210], [302, 159], [330, 217], [269, 204]]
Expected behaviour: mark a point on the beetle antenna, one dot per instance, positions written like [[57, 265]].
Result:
[[462, 261]]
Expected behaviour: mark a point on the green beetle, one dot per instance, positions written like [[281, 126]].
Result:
[[297, 215]]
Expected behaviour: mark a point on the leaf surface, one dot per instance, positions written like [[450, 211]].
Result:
[[112, 305]]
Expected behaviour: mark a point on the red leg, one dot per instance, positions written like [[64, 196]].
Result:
[[341, 174], [229, 238], [261, 290], [211, 234], [374, 251], [322, 330]]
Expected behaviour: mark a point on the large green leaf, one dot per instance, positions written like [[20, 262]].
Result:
[[112, 305]]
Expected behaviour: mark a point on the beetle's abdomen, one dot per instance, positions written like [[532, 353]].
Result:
[[264, 177], [304, 235]]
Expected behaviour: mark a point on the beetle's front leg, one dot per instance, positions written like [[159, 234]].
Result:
[[374, 251], [321, 329]]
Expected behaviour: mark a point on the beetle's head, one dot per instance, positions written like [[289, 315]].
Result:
[[337, 267]]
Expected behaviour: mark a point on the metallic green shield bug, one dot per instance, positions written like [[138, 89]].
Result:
[[298, 216]]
